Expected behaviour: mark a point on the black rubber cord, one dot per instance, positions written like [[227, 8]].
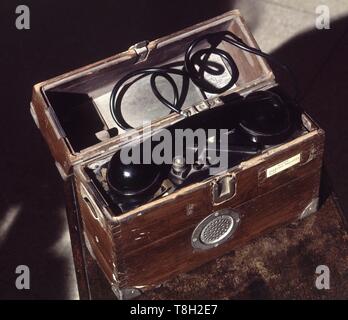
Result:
[[165, 72], [194, 67]]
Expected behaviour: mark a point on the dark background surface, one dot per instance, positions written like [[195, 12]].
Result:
[[65, 35]]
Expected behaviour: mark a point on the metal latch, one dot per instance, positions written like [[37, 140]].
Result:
[[223, 189], [141, 49]]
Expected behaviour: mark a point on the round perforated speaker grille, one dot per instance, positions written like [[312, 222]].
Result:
[[215, 229]]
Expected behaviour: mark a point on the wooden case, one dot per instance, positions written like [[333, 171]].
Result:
[[140, 249]]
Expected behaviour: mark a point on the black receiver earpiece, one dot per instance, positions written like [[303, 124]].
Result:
[[267, 119], [133, 179]]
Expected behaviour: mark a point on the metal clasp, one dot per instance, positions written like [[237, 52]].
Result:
[[141, 49], [223, 189]]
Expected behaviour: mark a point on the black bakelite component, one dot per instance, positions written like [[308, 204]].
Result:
[[133, 179], [267, 119]]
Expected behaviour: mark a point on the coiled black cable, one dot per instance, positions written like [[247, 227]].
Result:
[[165, 72], [187, 69]]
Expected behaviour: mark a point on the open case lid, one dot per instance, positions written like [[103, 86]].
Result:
[[72, 110]]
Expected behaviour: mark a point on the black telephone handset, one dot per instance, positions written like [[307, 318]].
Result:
[[261, 118]]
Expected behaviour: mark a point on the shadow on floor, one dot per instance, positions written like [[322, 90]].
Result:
[[319, 60]]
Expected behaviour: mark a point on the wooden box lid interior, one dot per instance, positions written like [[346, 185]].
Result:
[[79, 101]]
